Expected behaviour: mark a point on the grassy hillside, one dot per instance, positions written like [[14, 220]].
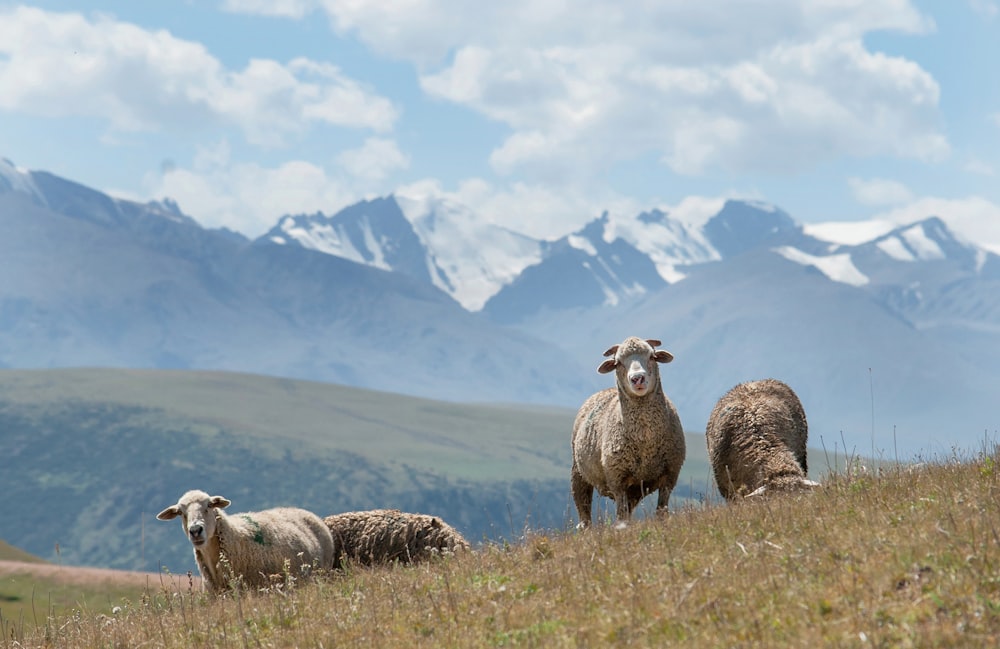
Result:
[[9, 553], [900, 558], [30, 597], [91, 455]]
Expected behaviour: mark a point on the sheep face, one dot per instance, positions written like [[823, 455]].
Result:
[[635, 362], [197, 518]]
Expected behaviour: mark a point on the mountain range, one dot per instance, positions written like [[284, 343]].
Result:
[[892, 343]]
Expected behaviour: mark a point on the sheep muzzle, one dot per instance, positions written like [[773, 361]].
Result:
[[196, 532]]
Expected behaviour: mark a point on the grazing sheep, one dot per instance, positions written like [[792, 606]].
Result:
[[386, 535], [756, 437], [627, 440], [250, 547]]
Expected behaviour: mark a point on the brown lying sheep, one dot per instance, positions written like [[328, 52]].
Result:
[[248, 548], [381, 536], [756, 437], [627, 440]]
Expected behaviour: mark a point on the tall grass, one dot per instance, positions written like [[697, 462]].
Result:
[[900, 557]]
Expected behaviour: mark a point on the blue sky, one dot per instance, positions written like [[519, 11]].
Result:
[[536, 114]]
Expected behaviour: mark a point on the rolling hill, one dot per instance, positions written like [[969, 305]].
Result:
[[91, 455]]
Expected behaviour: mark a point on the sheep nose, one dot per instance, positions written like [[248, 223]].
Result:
[[196, 530], [638, 380]]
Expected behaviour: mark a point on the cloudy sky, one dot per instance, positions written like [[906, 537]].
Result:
[[538, 114]]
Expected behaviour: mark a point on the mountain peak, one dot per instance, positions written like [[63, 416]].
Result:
[[653, 217], [14, 179], [927, 240], [741, 226]]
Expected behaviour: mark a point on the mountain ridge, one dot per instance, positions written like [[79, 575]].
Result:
[[142, 285]]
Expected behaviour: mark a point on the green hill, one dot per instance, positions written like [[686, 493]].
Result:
[[91, 455], [9, 553]]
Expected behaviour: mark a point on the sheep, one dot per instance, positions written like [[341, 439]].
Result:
[[627, 440], [386, 535], [250, 547], [756, 438]]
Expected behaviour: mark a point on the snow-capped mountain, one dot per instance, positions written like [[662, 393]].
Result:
[[427, 239], [591, 268], [432, 239], [87, 279], [902, 319]]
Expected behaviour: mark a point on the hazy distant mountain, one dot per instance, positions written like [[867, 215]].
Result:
[[892, 344], [433, 241], [898, 330], [582, 270], [91, 280]]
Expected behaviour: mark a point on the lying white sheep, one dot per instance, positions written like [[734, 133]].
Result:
[[250, 547], [756, 437], [386, 535], [627, 440]]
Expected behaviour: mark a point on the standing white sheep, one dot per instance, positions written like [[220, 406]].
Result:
[[627, 440], [250, 547], [387, 535], [756, 437]]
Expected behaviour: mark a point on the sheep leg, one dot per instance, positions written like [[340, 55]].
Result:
[[583, 496], [623, 508], [662, 498]]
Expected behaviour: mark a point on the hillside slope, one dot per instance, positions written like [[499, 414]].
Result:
[[107, 449]]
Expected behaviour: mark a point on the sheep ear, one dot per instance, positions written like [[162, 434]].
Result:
[[218, 502], [607, 366], [662, 356], [612, 350], [169, 513], [653, 342]]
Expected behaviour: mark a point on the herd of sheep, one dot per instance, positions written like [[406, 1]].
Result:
[[627, 443]]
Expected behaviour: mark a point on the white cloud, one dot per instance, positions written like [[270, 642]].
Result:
[[374, 161], [979, 167], [285, 8], [62, 64], [725, 85], [986, 8], [247, 197], [879, 191]]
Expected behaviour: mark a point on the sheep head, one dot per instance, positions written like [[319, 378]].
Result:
[[198, 520], [636, 363]]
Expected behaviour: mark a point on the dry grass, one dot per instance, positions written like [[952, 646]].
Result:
[[903, 557]]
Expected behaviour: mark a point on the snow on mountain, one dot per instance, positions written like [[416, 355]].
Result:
[[590, 268], [476, 259], [928, 240], [972, 221], [670, 242], [848, 233], [333, 239], [910, 244], [427, 238], [15, 179], [838, 267]]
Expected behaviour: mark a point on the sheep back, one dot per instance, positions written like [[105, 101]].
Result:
[[257, 544], [756, 437], [387, 535]]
